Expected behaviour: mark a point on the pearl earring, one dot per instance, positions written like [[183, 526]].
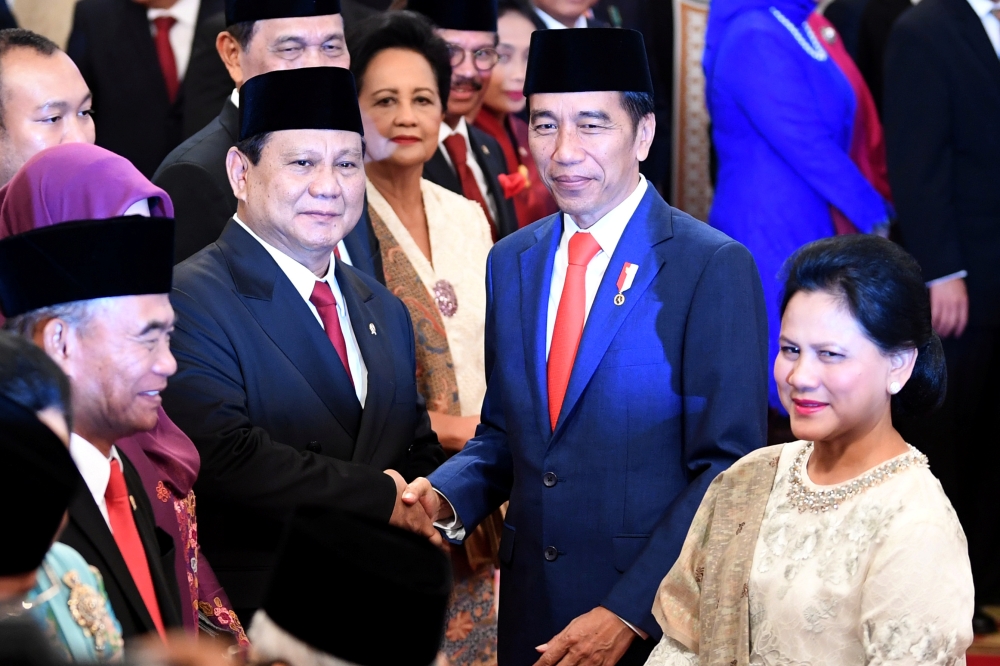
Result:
[[894, 388]]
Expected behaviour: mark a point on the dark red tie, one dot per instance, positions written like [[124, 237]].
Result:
[[127, 537], [570, 317], [326, 304], [457, 150], [165, 54]]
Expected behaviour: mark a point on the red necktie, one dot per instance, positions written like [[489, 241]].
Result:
[[457, 150], [326, 304], [165, 54], [127, 537], [569, 320]]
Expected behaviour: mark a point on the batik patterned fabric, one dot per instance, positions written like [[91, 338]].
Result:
[[470, 635]]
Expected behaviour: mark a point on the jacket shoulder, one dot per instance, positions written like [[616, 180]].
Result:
[[203, 148], [204, 272]]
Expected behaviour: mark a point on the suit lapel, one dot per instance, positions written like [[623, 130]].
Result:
[[286, 319], [649, 226], [83, 511], [229, 118], [361, 305], [536, 279], [437, 170]]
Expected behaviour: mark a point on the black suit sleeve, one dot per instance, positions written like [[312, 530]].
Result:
[[201, 209], [918, 134], [240, 461], [207, 84]]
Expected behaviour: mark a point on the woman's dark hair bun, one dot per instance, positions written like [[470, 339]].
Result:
[[882, 287]]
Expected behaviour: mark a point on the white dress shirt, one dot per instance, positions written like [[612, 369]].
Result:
[[553, 24], [984, 10], [470, 158], [607, 232], [185, 12], [304, 281], [95, 469]]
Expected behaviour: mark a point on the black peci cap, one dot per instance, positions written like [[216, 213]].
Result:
[[471, 15], [587, 60], [242, 11], [81, 261], [370, 575], [37, 480], [322, 98]]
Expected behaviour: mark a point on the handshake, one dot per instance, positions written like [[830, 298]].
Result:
[[418, 507]]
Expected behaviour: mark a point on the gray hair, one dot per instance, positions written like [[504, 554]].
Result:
[[272, 643], [77, 314]]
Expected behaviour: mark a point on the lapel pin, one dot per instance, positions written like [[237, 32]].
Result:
[[132, 501], [486, 151], [625, 281], [371, 327]]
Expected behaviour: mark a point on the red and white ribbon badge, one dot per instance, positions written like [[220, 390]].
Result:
[[625, 280]]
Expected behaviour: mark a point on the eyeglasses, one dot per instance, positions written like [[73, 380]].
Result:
[[483, 59]]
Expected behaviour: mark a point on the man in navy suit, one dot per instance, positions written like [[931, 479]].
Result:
[[626, 355], [296, 371]]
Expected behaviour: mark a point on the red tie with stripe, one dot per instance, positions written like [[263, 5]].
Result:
[[326, 304], [569, 321], [127, 537], [165, 54]]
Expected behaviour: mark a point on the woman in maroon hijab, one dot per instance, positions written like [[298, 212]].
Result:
[[83, 182]]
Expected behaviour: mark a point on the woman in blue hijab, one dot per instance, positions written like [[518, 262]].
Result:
[[783, 117]]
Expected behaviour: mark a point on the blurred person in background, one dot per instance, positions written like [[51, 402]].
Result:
[[136, 55], [497, 117], [45, 101], [434, 244], [561, 14], [469, 161], [259, 37]]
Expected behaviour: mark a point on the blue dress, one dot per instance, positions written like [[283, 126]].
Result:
[[782, 118]]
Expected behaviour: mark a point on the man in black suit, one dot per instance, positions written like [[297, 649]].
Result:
[[297, 371], [469, 161], [874, 28], [115, 351], [136, 56], [259, 37], [941, 108]]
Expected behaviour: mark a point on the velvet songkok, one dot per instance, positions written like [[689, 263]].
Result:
[[81, 261], [37, 480], [587, 60], [470, 15], [311, 98], [242, 11], [371, 575]]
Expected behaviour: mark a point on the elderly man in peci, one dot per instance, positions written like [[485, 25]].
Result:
[[260, 36], [106, 323], [297, 371], [626, 350]]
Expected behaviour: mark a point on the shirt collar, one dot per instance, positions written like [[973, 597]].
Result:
[[552, 24], [461, 128], [185, 11], [608, 230], [94, 467], [982, 7], [235, 98], [303, 279]]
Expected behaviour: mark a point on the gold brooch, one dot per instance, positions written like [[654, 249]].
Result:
[[89, 608]]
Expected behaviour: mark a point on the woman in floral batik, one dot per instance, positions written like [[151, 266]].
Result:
[[840, 548], [434, 245]]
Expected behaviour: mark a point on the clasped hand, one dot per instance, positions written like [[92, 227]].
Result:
[[412, 515]]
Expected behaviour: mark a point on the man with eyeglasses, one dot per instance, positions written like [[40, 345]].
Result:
[[469, 161], [261, 36]]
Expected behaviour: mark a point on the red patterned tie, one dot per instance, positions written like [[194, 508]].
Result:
[[569, 320], [457, 150], [326, 304], [165, 54], [127, 537]]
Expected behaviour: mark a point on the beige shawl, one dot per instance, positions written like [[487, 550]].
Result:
[[703, 603]]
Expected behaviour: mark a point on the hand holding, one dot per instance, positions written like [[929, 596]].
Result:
[[949, 307], [420, 491], [410, 517], [597, 638]]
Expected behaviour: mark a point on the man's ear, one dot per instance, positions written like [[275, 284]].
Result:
[[644, 136], [230, 51], [237, 167], [54, 337]]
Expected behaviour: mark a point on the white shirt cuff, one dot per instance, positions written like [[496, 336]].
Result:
[[639, 632], [453, 529], [948, 278]]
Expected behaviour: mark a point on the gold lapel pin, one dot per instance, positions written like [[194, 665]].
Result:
[[371, 327], [486, 151]]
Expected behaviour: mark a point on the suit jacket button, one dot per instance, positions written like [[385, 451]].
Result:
[[551, 553], [314, 447], [550, 479]]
